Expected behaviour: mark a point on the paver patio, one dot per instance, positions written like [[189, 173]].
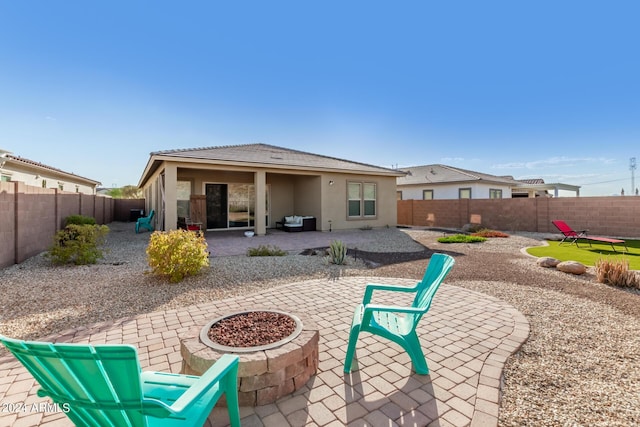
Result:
[[466, 337]]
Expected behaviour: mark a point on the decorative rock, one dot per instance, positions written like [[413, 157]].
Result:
[[548, 262], [573, 267]]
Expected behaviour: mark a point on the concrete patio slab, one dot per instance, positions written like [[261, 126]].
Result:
[[466, 336]]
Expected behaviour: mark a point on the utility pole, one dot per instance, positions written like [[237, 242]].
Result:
[[632, 167]]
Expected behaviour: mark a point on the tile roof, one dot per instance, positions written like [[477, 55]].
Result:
[[532, 181], [38, 165], [265, 154], [442, 174]]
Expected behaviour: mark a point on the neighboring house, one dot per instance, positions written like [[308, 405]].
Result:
[[14, 168], [253, 186], [538, 188], [446, 182], [525, 192]]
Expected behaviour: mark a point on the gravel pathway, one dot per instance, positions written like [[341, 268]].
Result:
[[580, 366]]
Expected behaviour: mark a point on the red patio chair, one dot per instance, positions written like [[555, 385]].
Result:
[[572, 236]]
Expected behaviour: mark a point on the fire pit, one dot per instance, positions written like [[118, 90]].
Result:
[[278, 351]]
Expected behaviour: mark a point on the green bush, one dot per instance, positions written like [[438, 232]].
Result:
[[79, 220], [461, 238], [176, 254], [78, 244], [337, 252], [266, 250]]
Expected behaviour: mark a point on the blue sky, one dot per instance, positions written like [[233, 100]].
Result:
[[544, 89]]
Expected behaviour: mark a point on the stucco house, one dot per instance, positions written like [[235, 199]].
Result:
[[446, 182], [14, 168], [253, 186]]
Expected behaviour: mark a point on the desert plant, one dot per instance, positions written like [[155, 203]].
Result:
[[176, 254], [486, 232], [337, 252], [79, 220], [616, 273], [266, 250], [461, 238], [78, 244]]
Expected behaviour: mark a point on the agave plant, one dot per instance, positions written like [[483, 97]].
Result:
[[337, 252]]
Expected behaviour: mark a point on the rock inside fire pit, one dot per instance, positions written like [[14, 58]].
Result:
[[252, 329]]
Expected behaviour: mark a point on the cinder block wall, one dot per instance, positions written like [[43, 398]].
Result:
[[68, 204], [36, 220], [30, 217], [7, 224], [122, 208], [609, 216]]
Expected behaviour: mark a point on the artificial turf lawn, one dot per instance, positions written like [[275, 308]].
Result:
[[589, 255]]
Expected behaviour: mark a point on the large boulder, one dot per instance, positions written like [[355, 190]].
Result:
[[548, 262], [573, 267]]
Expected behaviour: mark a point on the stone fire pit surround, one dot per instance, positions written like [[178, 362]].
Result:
[[264, 374]]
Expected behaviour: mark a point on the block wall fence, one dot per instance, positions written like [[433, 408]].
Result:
[[30, 216], [609, 216]]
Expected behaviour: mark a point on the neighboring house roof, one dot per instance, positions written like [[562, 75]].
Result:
[[532, 181], [7, 159], [442, 174], [263, 155]]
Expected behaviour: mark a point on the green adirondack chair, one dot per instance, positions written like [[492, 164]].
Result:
[[145, 222], [398, 324], [103, 385]]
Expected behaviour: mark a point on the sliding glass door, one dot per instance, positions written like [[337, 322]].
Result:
[[232, 205], [216, 206]]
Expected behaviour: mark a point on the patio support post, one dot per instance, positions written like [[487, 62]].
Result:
[[170, 197], [261, 203]]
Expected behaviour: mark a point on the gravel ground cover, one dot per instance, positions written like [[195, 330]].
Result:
[[580, 366]]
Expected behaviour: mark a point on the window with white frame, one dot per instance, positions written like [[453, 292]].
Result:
[[495, 193], [464, 193], [361, 200], [427, 194]]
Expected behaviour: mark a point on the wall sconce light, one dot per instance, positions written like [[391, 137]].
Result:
[[331, 182]]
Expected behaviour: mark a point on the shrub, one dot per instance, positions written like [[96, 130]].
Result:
[[78, 244], [176, 254], [79, 220], [486, 232], [616, 273], [266, 250], [461, 238], [337, 252]]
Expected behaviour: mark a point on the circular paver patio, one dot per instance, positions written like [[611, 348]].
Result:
[[466, 336]]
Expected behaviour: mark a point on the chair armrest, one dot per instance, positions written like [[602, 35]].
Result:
[[226, 365], [394, 309], [368, 293]]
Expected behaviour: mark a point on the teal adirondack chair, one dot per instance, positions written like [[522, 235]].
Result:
[[398, 324], [145, 222], [103, 385]]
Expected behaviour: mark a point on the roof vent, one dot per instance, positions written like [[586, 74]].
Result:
[[277, 157]]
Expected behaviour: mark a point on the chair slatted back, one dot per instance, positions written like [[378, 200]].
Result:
[[438, 268], [564, 228], [100, 384]]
